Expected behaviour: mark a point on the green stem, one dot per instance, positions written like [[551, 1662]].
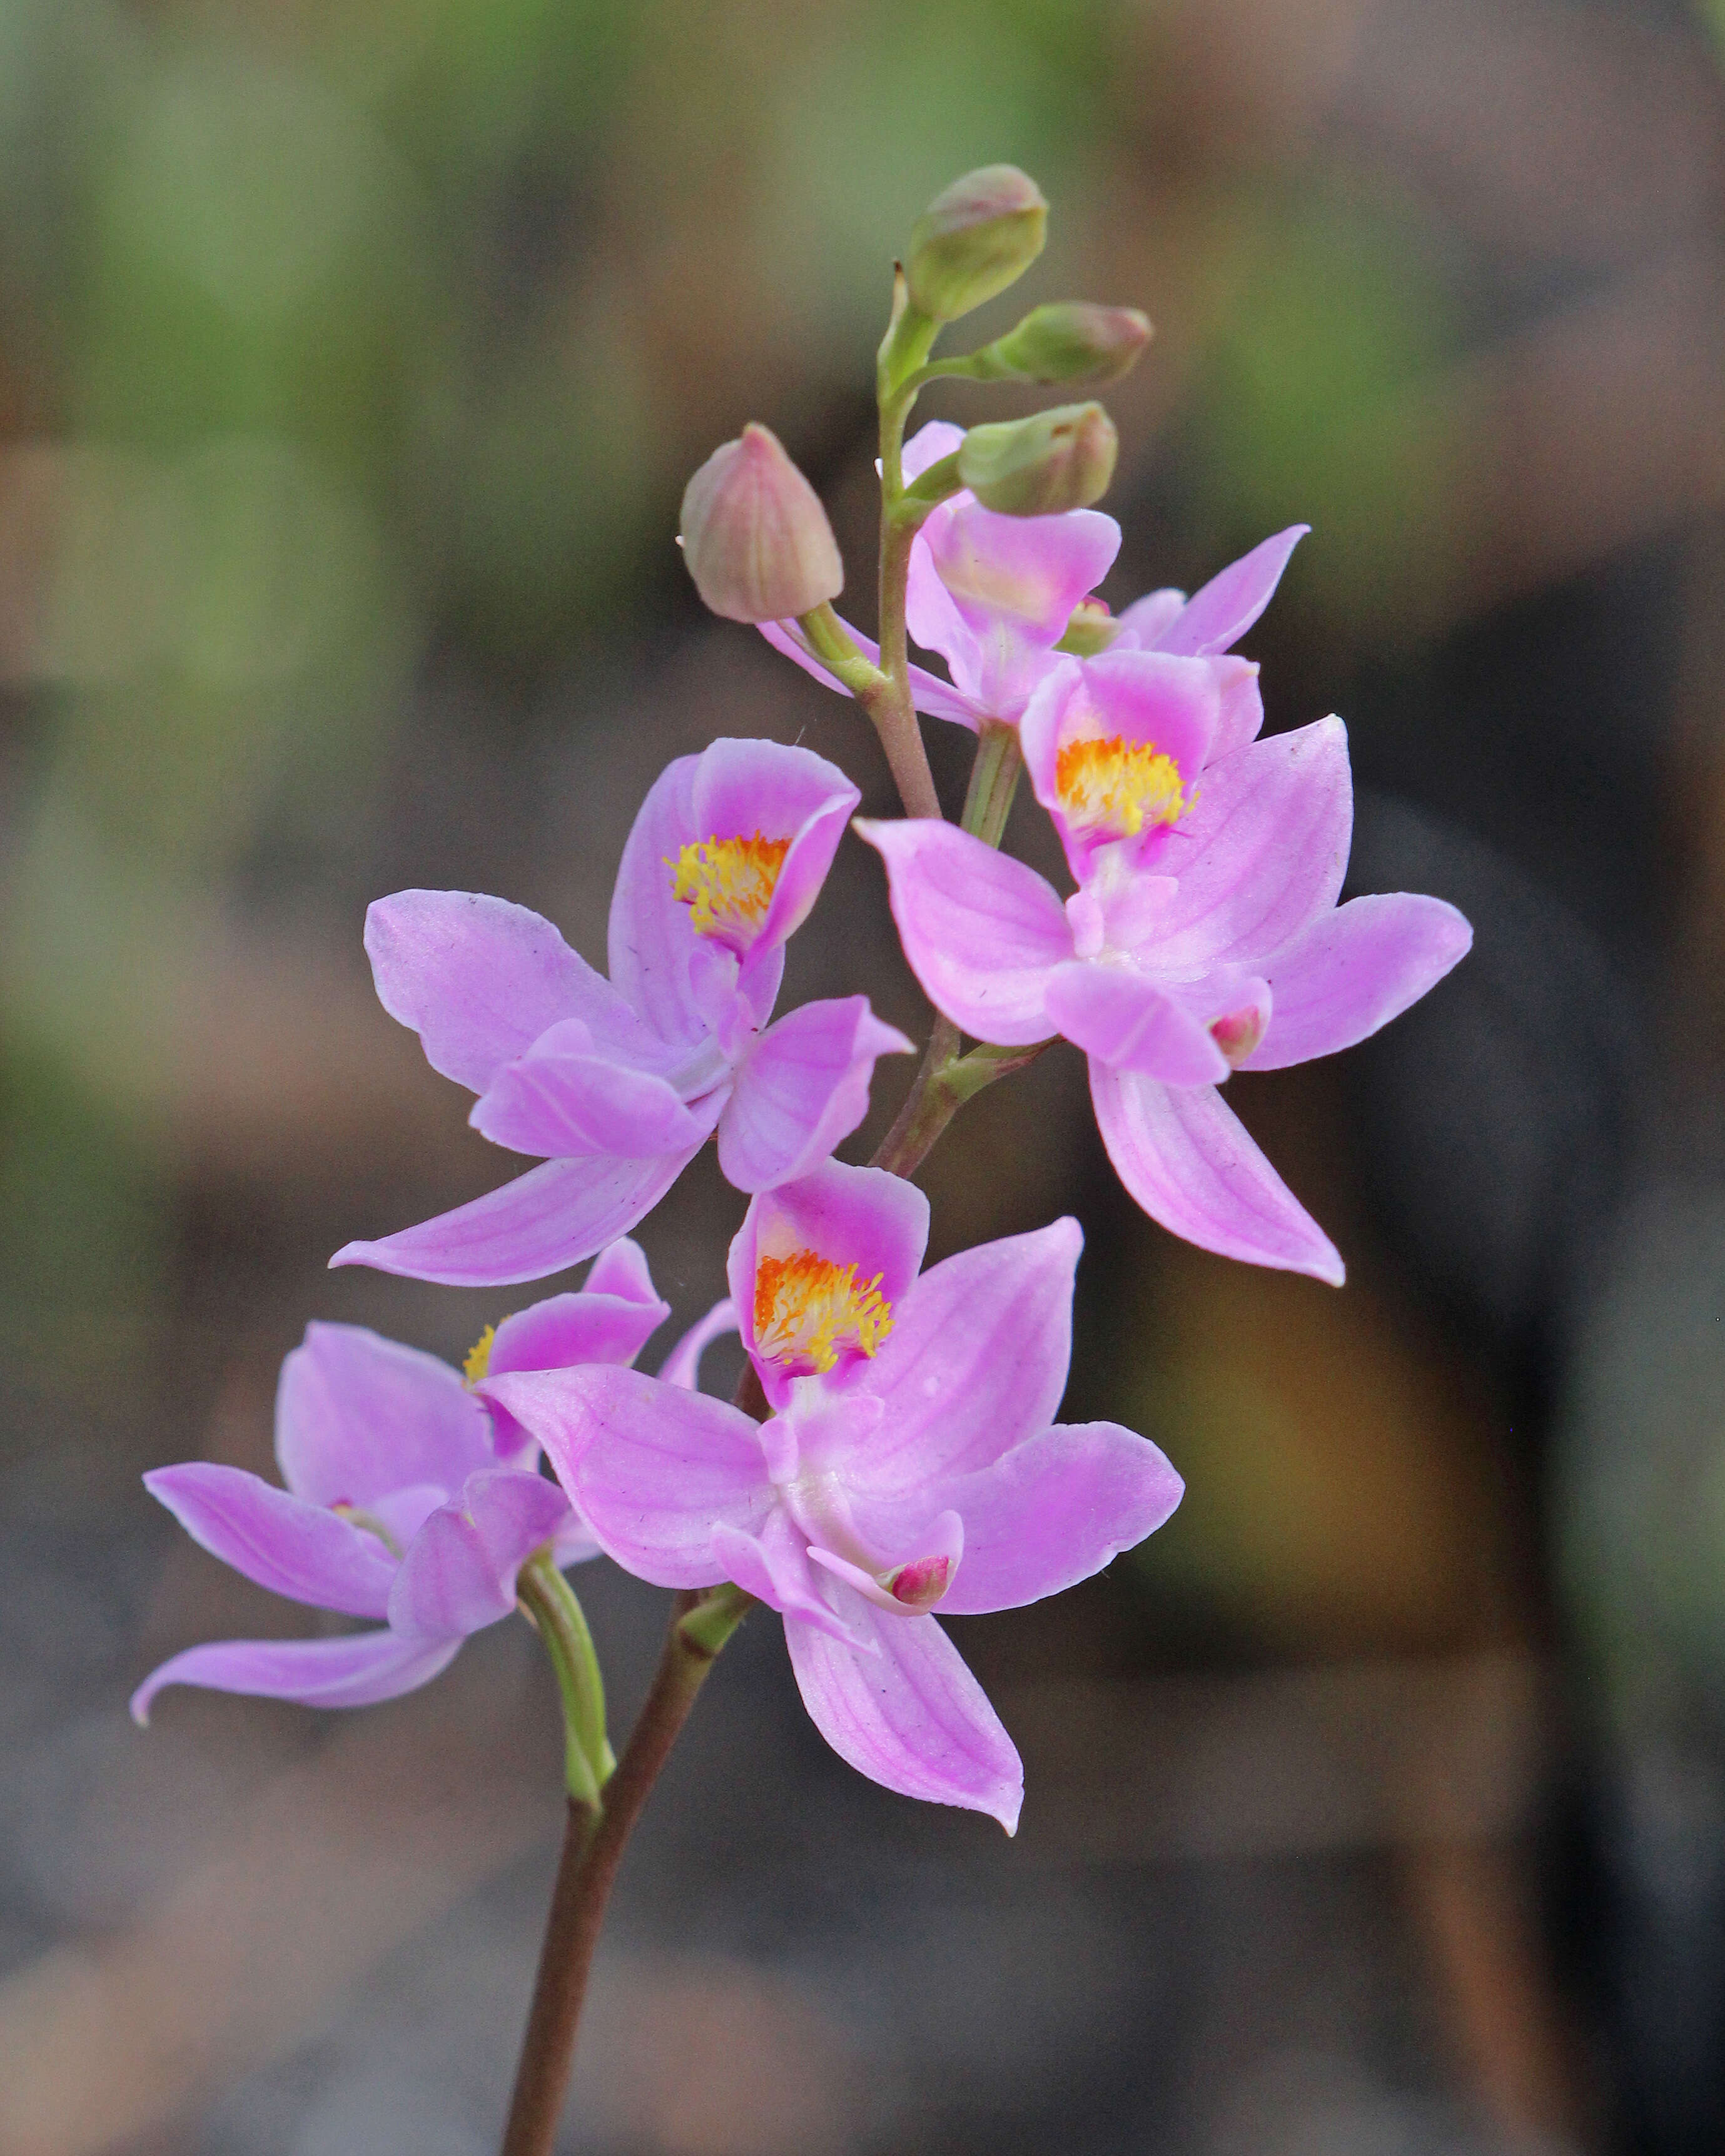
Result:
[[549, 1603], [993, 781]]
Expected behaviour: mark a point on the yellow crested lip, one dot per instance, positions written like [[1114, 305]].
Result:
[[809, 1308], [1109, 787], [728, 884]]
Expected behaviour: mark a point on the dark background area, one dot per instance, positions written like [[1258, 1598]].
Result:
[[352, 358]]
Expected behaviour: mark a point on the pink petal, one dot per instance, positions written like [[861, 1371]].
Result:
[[651, 944], [1053, 1511], [479, 980], [802, 1088], [551, 1217], [1146, 621], [981, 932], [621, 1269], [934, 622], [575, 1104], [1215, 618], [1242, 714], [852, 1216], [459, 1575], [279, 1541], [1263, 853], [933, 439], [1170, 704], [352, 1672], [745, 787], [682, 1365], [1131, 1023], [976, 1362], [774, 1567], [1013, 581], [1353, 971], [358, 1417], [910, 1715], [568, 1329], [1183, 1154], [652, 1469]]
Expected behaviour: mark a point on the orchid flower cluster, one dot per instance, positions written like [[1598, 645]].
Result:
[[892, 1454]]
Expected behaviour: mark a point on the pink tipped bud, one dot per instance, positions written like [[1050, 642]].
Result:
[[976, 238], [1090, 629], [921, 1583], [754, 535], [1071, 342], [1044, 465], [1239, 1033]]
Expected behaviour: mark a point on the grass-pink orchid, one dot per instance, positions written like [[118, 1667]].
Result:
[[1204, 935], [617, 1084], [995, 595], [911, 1462], [407, 1497]]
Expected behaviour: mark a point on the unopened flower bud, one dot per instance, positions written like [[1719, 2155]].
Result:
[[754, 535], [1041, 466], [1072, 341], [1090, 629], [976, 238]]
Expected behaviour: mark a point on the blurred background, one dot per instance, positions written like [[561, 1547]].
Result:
[[352, 358]]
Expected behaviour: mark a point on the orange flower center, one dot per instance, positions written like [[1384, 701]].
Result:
[[728, 884], [1112, 788], [806, 1308]]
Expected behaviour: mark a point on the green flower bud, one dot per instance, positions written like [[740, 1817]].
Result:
[[754, 535], [1090, 629], [1039, 467], [976, 238], [1072, 341]]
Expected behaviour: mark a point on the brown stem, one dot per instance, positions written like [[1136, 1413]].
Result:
[[587, 1871]]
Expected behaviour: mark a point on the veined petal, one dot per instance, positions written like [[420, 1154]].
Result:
[[981, 932], [1131, 1023], [909, 1716], [682, 1365], [352, 1673], [975, 1362], [568, 1329], [1053, 1511], [745, 787], [1263, 853], [1215, 618], [774, 1567], [552, 1216], [358, 1417], [802, 1087], [651, 1468], [1241, 719], [459, 1575], [479, 980], [938, 698], [563, 1102], [1146, 621], [862, 1219], [651, 945], [621, 1268], [1184, 1156], [283, 1543], [1353, 970]]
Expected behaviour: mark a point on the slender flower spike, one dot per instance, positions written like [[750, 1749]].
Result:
[[1002, 598], [1204, 935], [911, 1463], [408, 1497], [618, 1084]]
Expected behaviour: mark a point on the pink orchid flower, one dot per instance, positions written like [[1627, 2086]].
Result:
[[910, 1463], [407, 1497], [994, 595], [618, 1084], [1204, 935]]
